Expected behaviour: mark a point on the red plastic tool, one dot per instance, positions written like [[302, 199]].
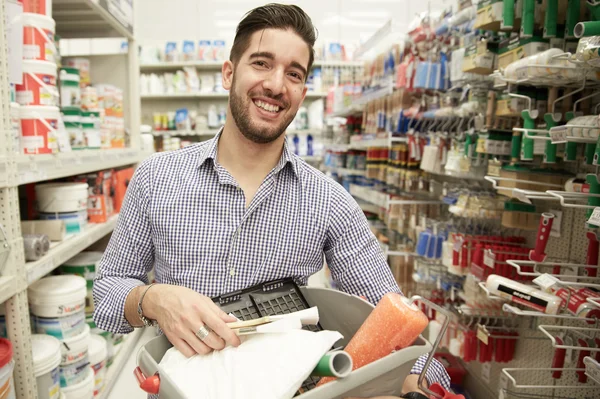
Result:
[[538, 253]]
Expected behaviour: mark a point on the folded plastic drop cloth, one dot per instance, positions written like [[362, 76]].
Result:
[[264, 366]]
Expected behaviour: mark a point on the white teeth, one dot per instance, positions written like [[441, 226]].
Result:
[[267, 107]]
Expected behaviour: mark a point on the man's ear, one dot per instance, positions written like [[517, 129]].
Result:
[[227, 74]]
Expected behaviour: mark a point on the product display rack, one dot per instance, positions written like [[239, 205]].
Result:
[[74, 19], [216, 65]]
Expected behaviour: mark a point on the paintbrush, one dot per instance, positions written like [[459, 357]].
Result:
[[283, 325], [307, 317]]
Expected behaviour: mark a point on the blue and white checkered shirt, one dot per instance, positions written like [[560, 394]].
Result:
[[186, 216]]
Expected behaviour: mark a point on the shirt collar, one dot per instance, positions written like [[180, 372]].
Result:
[[210, 152]]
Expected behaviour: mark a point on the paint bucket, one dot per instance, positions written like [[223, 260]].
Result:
[[83, 65], [43, 7], [75, 222], [90, 124], [3, 333], [7, 364], [74, 361], [38, 129], [72, 119], [82, 390], [62, 197], [46, 359], [97, 355], [85, 265], [39, 84], [15, 127], [38, 37], [58, 305], [70, 92]]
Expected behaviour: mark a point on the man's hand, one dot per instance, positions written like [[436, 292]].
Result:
[[181, 312]]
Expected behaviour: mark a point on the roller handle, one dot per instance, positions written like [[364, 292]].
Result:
[[592, 254], [149, 385], [558, 361], [580, 365], [538, 253]]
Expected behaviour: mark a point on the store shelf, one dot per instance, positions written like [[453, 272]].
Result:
[[311, 158], [369, 195], [367, 207], [210, 132], [346, 112], [592, 369], [65, 250], [215, 65], [346, 172], [92, 18], [183, 96], [120, 361], [8, 288], [36, 168]]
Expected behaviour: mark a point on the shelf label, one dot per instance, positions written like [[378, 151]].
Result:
[[558, 134], [520, 195], [555, 232], [489, 258], [545, 281], [595, 218], [458, 244], [482, 334]]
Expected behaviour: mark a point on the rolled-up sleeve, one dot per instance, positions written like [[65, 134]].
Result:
[[358, 266], [128, 258]]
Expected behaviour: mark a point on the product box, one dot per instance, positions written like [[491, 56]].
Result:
[[510, 106], [189, 50], [121, 179], [513, 49], [100, 199], [204, 53], [478, 59], [489, 15]]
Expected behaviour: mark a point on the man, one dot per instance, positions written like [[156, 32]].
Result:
[[238, 210]]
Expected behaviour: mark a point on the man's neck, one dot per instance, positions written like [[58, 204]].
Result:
[[240, 155]]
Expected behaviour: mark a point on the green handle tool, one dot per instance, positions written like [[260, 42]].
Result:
[[573, 10], [551, 17], [508, 15], [594, 7], [527, 145], [334, 364], [528, 18], [585, 29], [550, 151]]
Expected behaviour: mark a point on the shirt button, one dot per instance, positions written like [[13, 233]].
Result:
[[231, 272]]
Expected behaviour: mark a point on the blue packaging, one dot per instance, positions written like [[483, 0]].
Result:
[[189, 50]]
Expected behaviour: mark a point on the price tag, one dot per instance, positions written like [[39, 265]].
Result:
[[489, 258], [595, 218], [421, 186], [555, 232], [482, 334], [520, 195], [558, 134], [545, 281], [458, 244]]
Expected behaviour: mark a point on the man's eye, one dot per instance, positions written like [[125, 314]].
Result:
[[260, 63], [296, 75]]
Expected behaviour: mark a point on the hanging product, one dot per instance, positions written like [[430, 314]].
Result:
[[523, 294], [543, 236]]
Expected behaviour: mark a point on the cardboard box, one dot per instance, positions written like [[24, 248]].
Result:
[[122, 177], [511, 50], [489, 15], [478, 59], [100, 199]]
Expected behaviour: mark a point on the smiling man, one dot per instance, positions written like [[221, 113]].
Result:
[[240, 209]]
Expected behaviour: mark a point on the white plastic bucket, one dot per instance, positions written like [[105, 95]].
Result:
[[46, 359], [58, 305], [75, 222], [3, 321], [43, 7], [15, 126], [85, 265], [82, 390], [39, 84], [62, 197], [38, 129], [97, 355], [70, 92], [75, 348], [74, 373], [7, 364], [38, 37]]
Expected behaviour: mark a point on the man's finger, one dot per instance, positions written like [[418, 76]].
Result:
[[182, 346], [197, 345], [221, 329]]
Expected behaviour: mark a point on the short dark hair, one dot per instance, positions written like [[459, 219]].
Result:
[[274, 16]]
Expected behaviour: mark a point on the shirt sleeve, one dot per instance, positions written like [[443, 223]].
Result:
[[435, 372], [128, 258], [353, 254]]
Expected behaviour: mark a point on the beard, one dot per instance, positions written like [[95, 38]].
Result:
[[240, 110]]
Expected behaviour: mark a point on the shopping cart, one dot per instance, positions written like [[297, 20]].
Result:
[[338, 311]]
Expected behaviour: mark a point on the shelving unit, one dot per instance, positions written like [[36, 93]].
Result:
[[216, 65], [74, 19], [347, 172], [224, 95]]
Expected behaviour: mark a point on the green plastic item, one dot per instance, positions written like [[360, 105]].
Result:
[[514, 205], [527, 143], [573, 9], [528, 20], [508, 15], [590, 151], [515, 146], [596, 160], [333, 364], [550, 19], [586, 29], [550, 151], [592, 180], [594, 7]]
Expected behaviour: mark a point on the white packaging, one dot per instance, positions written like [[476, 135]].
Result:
[[523, 294]]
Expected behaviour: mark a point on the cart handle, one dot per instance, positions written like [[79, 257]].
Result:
[[149, 385]]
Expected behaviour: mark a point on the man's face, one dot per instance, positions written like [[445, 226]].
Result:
[[267, 84]]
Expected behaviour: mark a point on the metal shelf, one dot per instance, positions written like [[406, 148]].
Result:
[[90, 18], [311, 158], [214, 65], [120, 361], [68, 248], [8, 288], [369, 195], [346, 172], [224, 95], [36, 168]]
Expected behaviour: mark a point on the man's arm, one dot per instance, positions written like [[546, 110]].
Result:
[[127, 260], [359, 267]]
